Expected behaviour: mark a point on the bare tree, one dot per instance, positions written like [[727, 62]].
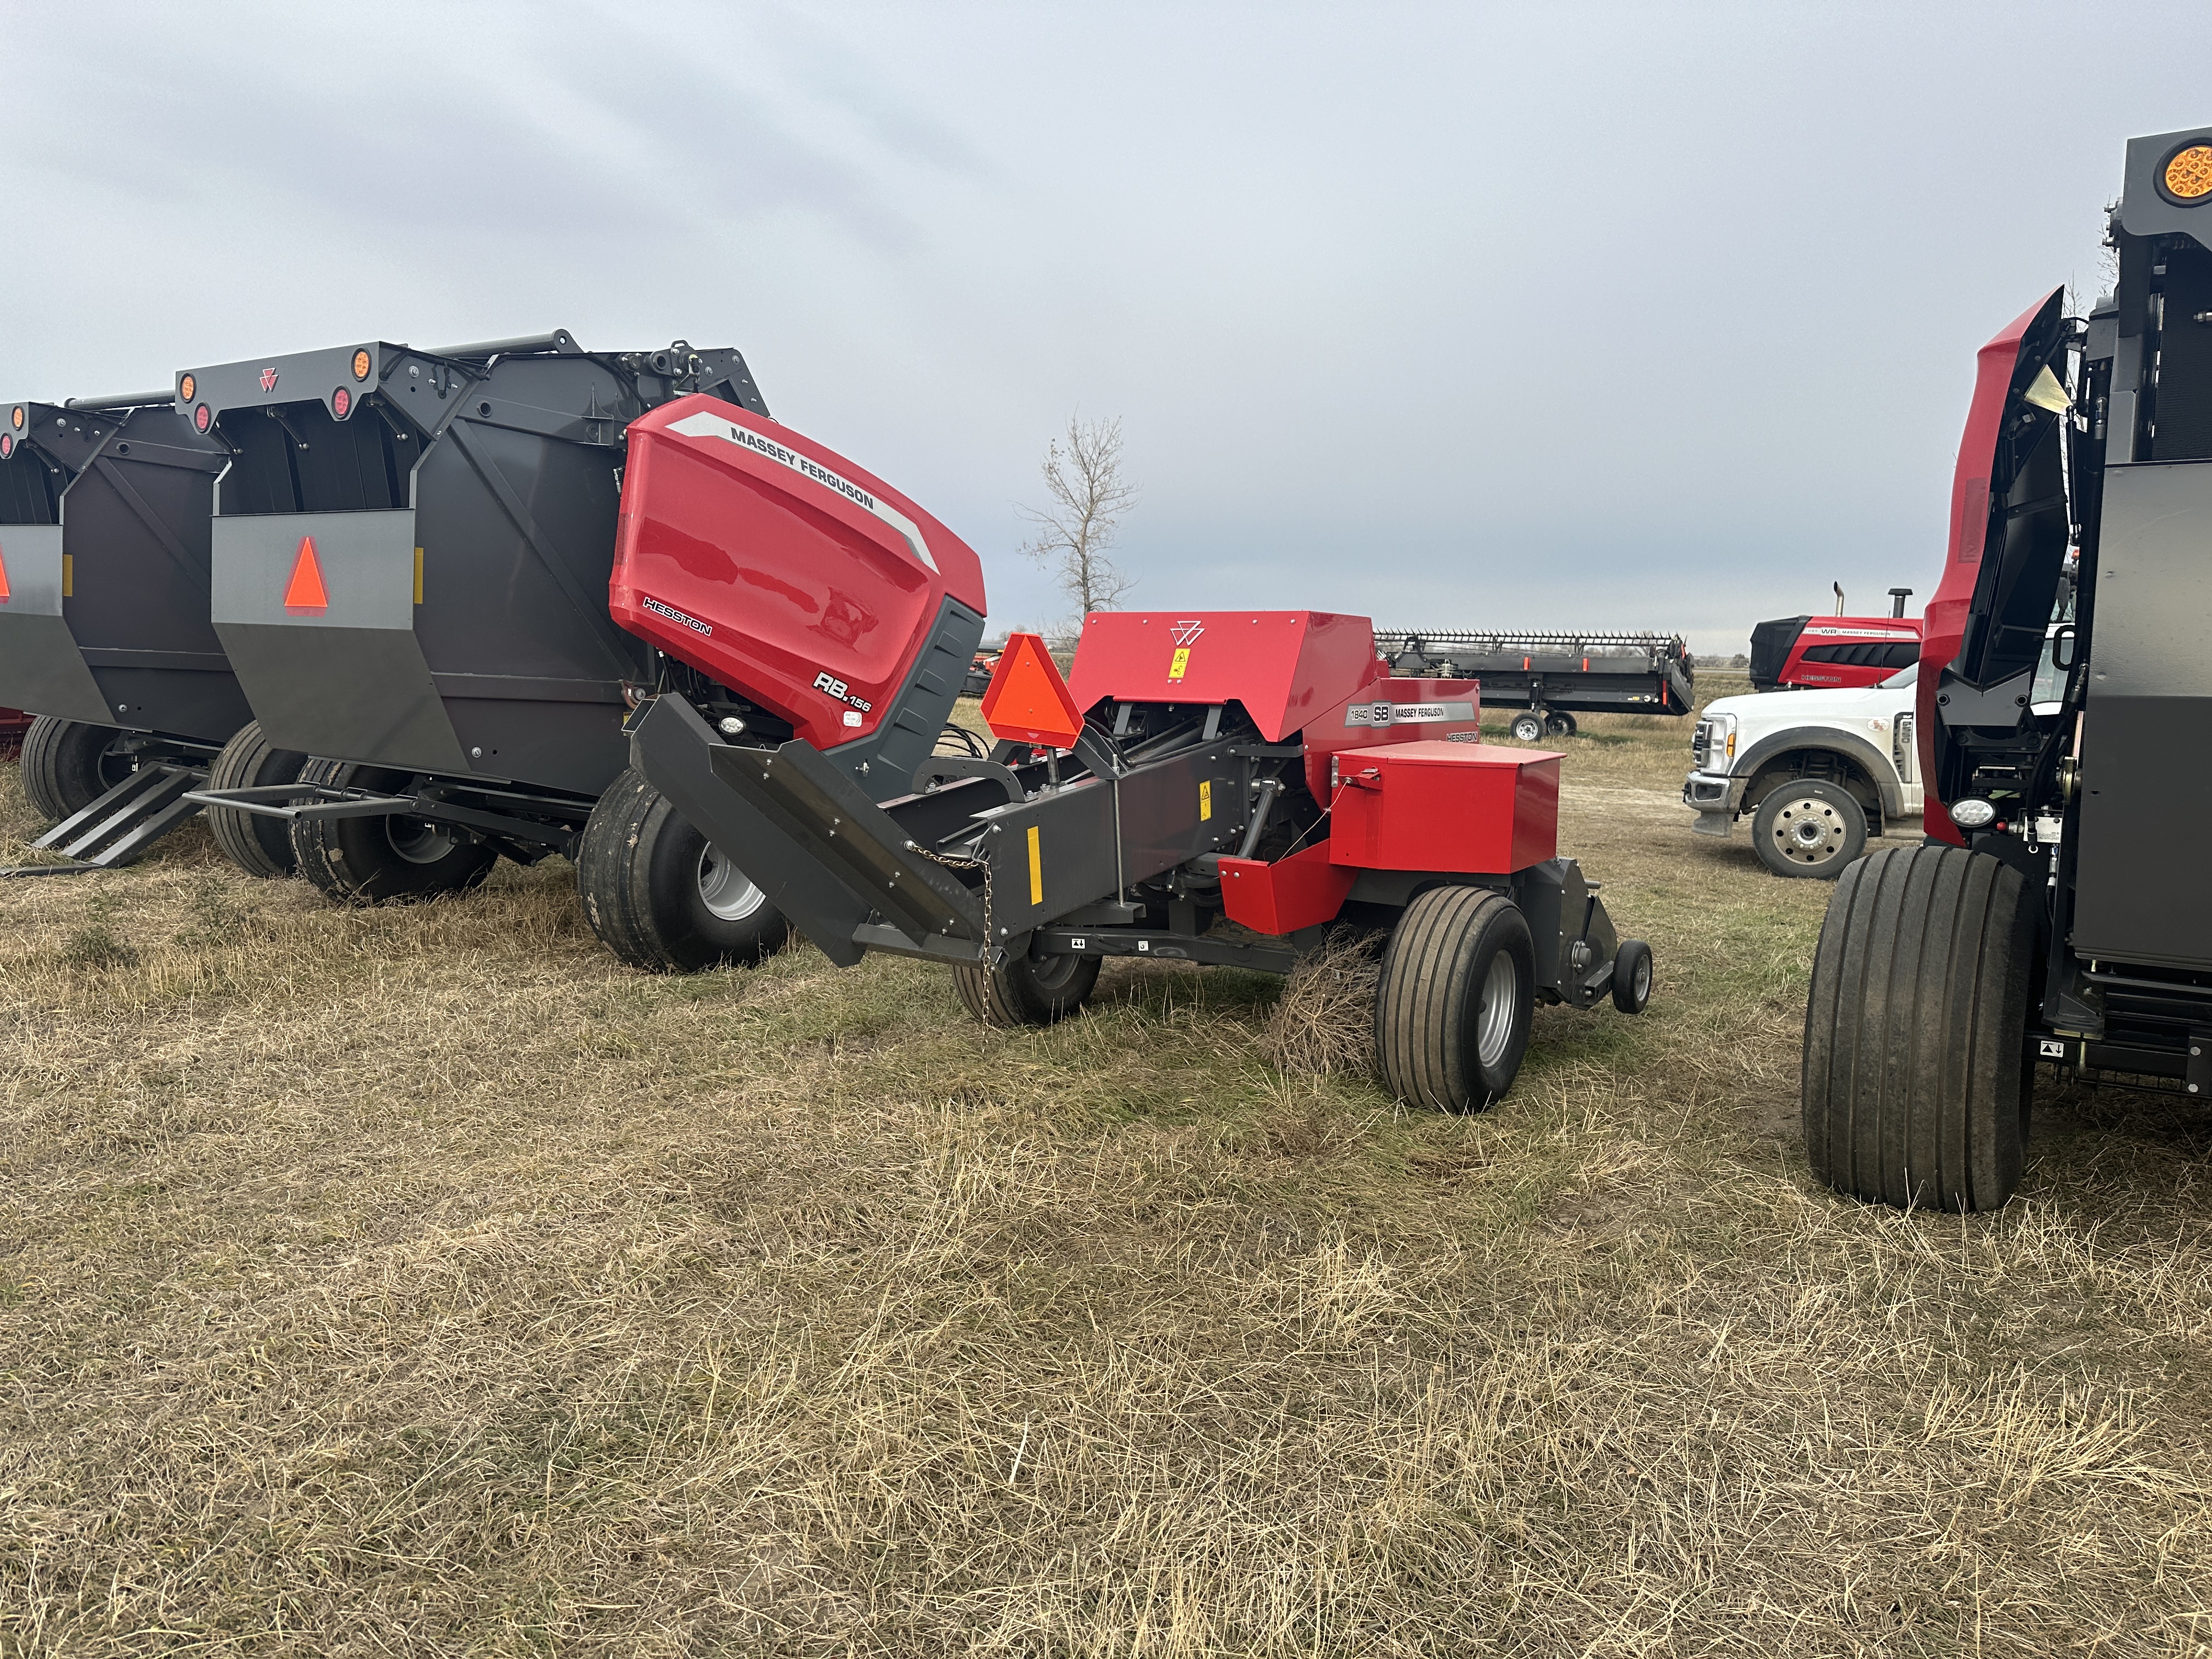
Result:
[[1071, 537]]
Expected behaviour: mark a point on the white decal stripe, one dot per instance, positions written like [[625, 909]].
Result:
[[703, 425]]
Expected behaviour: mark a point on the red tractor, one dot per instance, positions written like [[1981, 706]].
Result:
[[2047, 918], [1835, 651], [1207, 786]]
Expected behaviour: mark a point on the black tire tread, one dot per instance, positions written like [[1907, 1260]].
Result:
[[60, 765], [1009, 997], [1915, 1075], [1425, 992], [320, 846], [615, 859], [260, 846]]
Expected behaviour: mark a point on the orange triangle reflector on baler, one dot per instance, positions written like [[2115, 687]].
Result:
[[306, 596], [1027, 701], [3, 579]]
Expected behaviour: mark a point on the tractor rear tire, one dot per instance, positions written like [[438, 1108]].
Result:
[[70, 764], [1456, 1000], [258, 845], [1808, 829], [660, 897], [1527, 728], [1027, 991], [382, 861], [1916, 1078]]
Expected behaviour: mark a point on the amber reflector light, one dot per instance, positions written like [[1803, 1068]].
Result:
[[2188, 175]]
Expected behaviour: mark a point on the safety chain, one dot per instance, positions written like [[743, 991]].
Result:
[[984, 865]]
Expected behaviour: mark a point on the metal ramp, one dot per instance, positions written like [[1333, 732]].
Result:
[[118, 828]]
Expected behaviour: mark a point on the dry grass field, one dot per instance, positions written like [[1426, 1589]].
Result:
[[419, 1281]]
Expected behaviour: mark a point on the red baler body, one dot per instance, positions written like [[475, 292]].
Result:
[[777, 568]]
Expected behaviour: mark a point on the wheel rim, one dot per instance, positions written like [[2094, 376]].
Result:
[[418, 841], [1808, 831], [116, 763], [1640, 981], [1052, 974], [1494, 1011], [1528, 731], [725, 889]]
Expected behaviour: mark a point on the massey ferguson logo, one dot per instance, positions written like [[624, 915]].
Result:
[[267, 380], [1187, 633]]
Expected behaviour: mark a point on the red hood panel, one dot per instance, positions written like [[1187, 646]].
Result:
[[778, 567], [1943, 625]]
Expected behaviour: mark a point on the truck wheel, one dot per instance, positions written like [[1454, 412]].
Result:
[[1631, 976], [1027, 990], [382, 861], [660, 896], [258, 845], [1916, 1079], [1458, 991], [1805, 828], [1560, 724], [1527, 728], [69, 764]]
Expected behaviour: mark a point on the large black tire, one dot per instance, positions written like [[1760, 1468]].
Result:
[[660, 897], [1916, 1078], [1027, 991], [382, 861], [1805, 828], [1457, 995], [67, 764], [260, 846]]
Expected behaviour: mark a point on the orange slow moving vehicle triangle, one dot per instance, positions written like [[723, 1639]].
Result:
[[4, 578], [1027, 701], [306, 596]]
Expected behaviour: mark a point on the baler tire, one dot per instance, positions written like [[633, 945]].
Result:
[[1917, 1081], [1631, 976], [1527, 728], [1025, 992], [70, 764], [260, 845], [660, 896], [1827, 807], [1450, 1031], [381, 861]]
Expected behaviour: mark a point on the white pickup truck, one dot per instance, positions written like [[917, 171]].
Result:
[[1818, 771]]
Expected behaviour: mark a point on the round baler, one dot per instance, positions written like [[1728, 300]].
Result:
[[105, 635], [410, 554]]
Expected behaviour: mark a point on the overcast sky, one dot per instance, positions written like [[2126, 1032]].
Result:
[[1650, 316]]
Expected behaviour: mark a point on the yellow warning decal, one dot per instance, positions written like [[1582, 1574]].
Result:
[[1204, 798], [1036, 869], [1181, 661], [418, 569], [69, 575]]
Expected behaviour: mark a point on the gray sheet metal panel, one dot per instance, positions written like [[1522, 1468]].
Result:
[[305, 684], [1160, 828], [41, 670], [309, 676], [2147, 731]]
